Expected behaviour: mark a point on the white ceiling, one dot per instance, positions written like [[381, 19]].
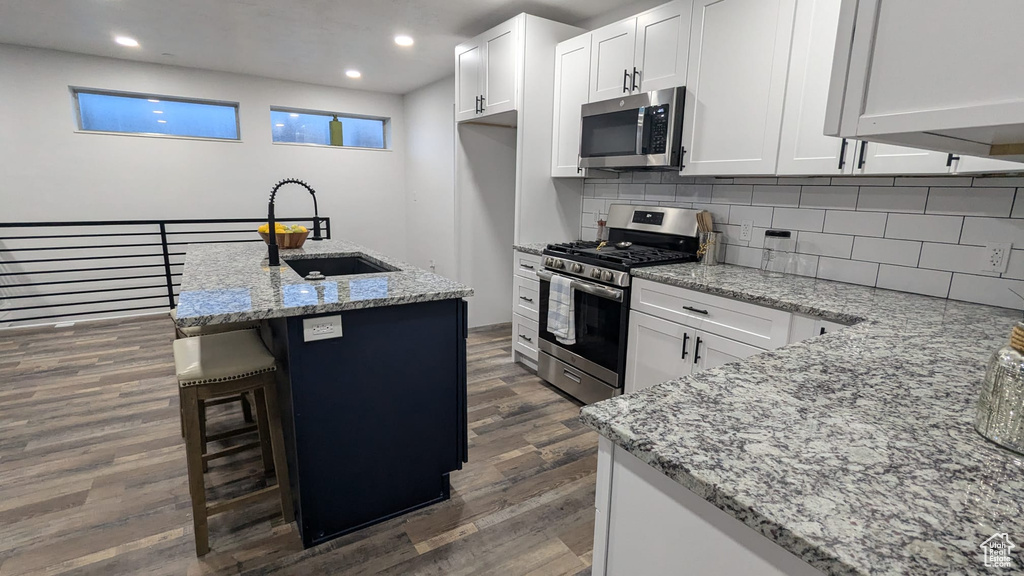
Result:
[[303, 40]]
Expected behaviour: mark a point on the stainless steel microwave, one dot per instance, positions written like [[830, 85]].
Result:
[[639, 131]]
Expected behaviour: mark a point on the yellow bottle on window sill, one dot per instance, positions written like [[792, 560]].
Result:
[[337, 138]]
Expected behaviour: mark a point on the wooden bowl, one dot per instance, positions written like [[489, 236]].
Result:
[[287, 239]]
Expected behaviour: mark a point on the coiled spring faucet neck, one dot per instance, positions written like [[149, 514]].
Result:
[[272, 248]]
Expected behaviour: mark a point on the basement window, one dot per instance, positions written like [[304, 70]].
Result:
[[155, 115], [291, 126]]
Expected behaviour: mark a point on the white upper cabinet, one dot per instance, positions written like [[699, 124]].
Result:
[[975, 165], [804, 149], [487, 72], [939, 74], [572, 91], [875, 158], [662, 47], [641, 54], [611, 61], [736, 83]]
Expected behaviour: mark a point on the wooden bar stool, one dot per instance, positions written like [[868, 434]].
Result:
[[192, 332], [218, 366]]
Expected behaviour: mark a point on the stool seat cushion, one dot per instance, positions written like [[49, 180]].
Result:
[[221, 357]]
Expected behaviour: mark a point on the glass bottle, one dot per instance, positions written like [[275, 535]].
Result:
[[1000, 415], [777, 253]]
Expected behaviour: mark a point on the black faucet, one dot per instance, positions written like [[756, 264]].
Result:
[[272, 250]]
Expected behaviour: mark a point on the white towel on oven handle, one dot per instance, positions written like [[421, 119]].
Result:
[[562, 310]]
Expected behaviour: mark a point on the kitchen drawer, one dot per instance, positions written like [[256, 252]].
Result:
[[524, 336], [758, 326], [526, 265], [526, 297]]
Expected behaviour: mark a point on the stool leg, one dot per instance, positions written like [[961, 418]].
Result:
[[246, 408], [262, 424], [269, 394], [194, 458], [202, 431], [181, 412]]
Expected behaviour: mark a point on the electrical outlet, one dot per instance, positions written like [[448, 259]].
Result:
[[746, 230], [322, 328], [997, 257]]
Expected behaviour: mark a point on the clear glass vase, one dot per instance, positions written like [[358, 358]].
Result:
[[1000, 415]]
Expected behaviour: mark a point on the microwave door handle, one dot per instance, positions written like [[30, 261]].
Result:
[[640, 131]]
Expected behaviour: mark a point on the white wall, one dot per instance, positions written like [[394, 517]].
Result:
[[485, 205], [430, 176], [53, 173]]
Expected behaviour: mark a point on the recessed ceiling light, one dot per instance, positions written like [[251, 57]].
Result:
[[126, 41], [403, 40], [158, 111], [353, 73], [162, 121], [279, 125]]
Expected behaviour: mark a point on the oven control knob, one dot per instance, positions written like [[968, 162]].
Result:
[[548, 261], [560, 264], [577, 268], [595, 273], [608, 276]]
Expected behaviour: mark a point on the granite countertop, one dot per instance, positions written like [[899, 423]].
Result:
[[225, 283], [854, 450], [535, 248]]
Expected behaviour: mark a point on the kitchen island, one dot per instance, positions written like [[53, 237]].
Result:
[[848, 453], [373, 372]]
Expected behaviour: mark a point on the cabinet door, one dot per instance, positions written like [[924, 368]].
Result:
[[803, 147], [876, 158], [711, 351], [572, 91], [611, 60], [658, 351], [662, 46], [973, 164], [468, 80], [501, 45], [736, 82]]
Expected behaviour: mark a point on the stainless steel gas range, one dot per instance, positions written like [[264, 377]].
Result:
[[594, 367]]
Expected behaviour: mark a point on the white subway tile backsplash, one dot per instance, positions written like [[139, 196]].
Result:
[[798, 219], [588, 234], [856, 223], [910, 233], [731, 193], [834, 245], [844, 197], [970, 201], [902, 252], [693, 193], [927, 228], [892, 199], [916, 280], [660, 192], [784, 196], [991, 291], [761, 215], [852, 271], [978, 231]]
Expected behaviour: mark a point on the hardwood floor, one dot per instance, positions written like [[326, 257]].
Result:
[[93, 480]]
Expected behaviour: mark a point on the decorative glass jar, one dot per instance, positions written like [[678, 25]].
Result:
[[1000, 416]]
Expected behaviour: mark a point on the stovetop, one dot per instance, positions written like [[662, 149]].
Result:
[[609, 256]]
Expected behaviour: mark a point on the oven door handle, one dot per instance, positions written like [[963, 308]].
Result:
[[587, 287]]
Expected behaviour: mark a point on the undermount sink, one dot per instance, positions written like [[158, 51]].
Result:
[[337, 266]]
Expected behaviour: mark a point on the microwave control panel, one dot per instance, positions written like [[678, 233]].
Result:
[[655, 138]]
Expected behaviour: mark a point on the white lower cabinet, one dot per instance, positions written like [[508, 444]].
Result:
[[524, 339], [711, 351], [658, 351], [805, 327], [525, 307]]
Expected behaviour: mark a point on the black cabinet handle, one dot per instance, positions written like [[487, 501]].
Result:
[[950, 158], [842, 154], [528, 266], [635, 74], [476, 110], [525, 337], [686, 338], [863, 151], [526, 299], [482, 100], [822, 333], [698, 311], [696, 350], [625, 81]]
